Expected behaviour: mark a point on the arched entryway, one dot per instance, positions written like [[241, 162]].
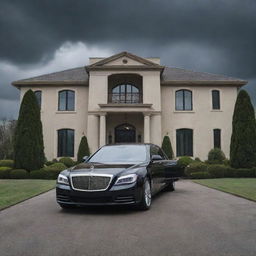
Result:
[[125, 133]]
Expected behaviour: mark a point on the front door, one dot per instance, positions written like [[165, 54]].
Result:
[[125, 133]]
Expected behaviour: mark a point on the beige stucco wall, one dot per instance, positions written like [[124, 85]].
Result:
[[202, 119], [53, 120]]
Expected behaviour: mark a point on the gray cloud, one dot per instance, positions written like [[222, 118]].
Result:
[[216, 36]]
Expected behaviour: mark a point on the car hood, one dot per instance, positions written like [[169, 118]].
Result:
[[102, 168]]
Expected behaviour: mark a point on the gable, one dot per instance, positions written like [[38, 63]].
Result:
[[124, 59]]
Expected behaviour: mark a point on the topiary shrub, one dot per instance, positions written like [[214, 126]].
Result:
[[48, 163], [167, 147], [6, 163], [226, 162], [83, 150], [197, 159], [53, 171], [67, 161], [184, 161], [19, 174], [217, 170], [28, 139], [216, 156], [200, 175], [243, 146], [195, 167], [5, 172]]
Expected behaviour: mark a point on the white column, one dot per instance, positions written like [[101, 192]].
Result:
[[156, 129], [102, 129], [93, 132], [146, 128]]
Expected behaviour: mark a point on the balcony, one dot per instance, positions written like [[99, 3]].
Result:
[[125, 98]]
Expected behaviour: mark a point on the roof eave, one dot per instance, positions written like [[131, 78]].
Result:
[[205, 82], [24, 83]]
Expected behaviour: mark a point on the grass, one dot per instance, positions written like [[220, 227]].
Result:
[[243, 187], [15, 191]]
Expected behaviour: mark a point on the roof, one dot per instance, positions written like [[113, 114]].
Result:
[[69, 76], [169, 75], [178, 75]]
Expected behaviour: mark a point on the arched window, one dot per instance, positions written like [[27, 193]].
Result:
[[66, 100], [215, 99], [183, 100], [38, 95], [217, 138], [125, 93], [66, 142], [184, 142]]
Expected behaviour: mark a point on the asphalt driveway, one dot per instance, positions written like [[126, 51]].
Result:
[[193, 220]]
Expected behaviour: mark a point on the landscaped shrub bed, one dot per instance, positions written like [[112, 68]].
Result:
[[6, 163], [48, 172], [67, 161]]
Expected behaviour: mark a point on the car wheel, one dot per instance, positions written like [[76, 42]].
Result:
[[146, 196], [170, 186], [66, 206]]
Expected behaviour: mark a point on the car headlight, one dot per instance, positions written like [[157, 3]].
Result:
[[127, 179], [62, 179]]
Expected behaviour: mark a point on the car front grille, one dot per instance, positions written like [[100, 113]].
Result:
[[90, 182]]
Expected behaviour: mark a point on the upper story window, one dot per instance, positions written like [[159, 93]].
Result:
[[184, 142], [183, 100], [217, 138], [125, 93], [66, 100], [215, 99], [66, 142], [38, 95]]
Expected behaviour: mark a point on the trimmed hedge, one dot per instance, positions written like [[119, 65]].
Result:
[[38, 174], [6, 163], [19, 174], [5, 172], [67, 161], [217, 170], [200, 175], [195, 167], [184, 161]]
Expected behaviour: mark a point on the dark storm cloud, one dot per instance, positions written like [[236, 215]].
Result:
[[205, 35], [33, 29]]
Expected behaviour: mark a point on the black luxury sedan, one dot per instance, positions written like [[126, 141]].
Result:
[[119, 174]]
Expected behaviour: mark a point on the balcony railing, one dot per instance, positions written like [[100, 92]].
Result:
[[125, 98]]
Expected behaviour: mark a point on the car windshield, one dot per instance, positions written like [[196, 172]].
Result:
[[120, 154]]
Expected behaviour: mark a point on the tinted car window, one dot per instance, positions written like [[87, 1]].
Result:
[[120, 154], [154, 150]]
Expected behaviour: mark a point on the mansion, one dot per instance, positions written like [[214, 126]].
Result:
[[129, 99]]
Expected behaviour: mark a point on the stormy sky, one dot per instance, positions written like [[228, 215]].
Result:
[[43, 36]]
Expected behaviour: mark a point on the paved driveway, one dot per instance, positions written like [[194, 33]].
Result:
[[193, 220]]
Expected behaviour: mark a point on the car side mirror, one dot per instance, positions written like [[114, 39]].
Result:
[[85, 158], [156, 158]]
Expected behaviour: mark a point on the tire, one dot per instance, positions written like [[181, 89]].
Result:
[[66, 206], [146, 196], [170, 186]]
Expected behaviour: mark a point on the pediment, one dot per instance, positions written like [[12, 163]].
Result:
[[124, 59]]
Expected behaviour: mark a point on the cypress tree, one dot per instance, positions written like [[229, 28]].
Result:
[[28, 138], [243, 139], [167, 147], [83, 149]]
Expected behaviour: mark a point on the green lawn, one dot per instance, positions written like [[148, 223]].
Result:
[[14, 191], [244, 187]]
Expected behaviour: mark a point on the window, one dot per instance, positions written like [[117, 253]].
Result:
[[183, 100], [66, 100], [215, 99], [125, 93], [184, 142], [38, 95], [66, 142], [217, 138]]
